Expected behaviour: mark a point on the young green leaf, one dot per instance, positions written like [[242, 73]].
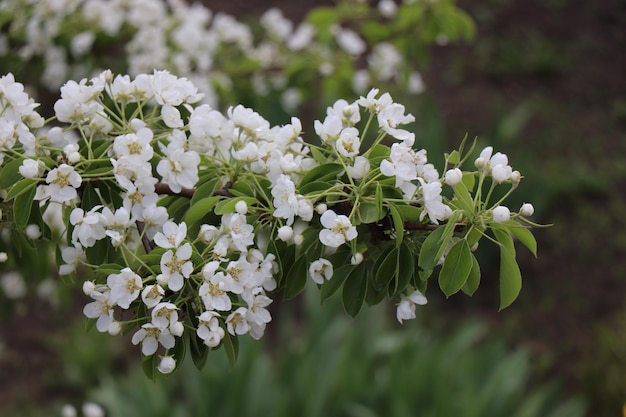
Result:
[[22, 207], [384, 268], [456, 268], [295, 280], [525, 236], [510, 278], [473, 279], [199, 209], [405, 268], [354, 289], [231, 346], [398, 224], [10, 173]]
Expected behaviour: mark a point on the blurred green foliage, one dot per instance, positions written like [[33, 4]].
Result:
[[330, 365]]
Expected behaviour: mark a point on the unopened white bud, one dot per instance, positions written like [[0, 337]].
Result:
[[321, 208], [480, 163], [454, 176], [114, 328], [285, 233], [298, 239], [31, 168], [241, 207], [177, 328], [137, 124], [3, 257], [89, 287], [167, 365], [33, 231], [73, 157], [357, 258], [527, 210], [501, 214], [516, 177]]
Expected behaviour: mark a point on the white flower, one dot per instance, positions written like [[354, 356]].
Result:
[[3, 257], [179, 169], [359, 168], [167, 365], [172, 235], [236, 322], [433, 204], [337, 229], [321, 270], [213, 294], [501, 214], [88, 227], [150, 336], [176, 265], [350, 41], [241, 233], [348, 142], [63, 182], [101, 309], [406, 307], [527, 210], [165, 315], [209, 329], [152, 295], [125, 287], [454, 176]]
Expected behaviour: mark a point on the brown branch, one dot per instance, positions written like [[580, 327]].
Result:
[[161, 188], [144, 239]]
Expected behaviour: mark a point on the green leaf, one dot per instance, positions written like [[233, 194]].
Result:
[[369, 213], [525, 236], [462, 194], [315, 187], [231, 346], [453, 157], [456, 268], [228, 205], [410, 214], [198, 350], [22, 207], [21, 187], [199, 209], [325, 172], [473, 279], [10, 173], [295, 280], [149, 364], [503, 236], [354, 289], [242, 189], [469, 179], [510, 278], [336, 281], [398, 224], [385, 268], [405, 268], [435, 245], [205, 190]]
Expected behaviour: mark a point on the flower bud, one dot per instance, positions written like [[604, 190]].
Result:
[[89, 287], [114, 328], [298, 239], [31, 168], [527, 210], [454, 176], [241, 207], [480, 163], [3, 257], [167, 365], [321, 208], [285, 233], [357, 258], [33, 231], [501, 214], [516, 177], [177, 328]]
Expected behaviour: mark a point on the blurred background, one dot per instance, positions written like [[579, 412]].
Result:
[[543, 81]]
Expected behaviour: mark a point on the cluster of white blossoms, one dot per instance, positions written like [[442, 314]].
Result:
[[192, 40], [190, 218]]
